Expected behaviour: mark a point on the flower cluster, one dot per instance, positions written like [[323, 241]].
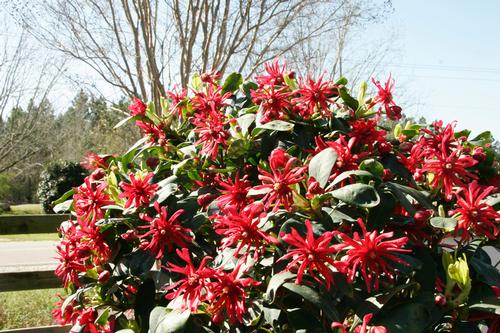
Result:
[[283, 205]]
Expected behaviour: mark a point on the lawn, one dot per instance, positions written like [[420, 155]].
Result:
[[28, 308], [25, 209]]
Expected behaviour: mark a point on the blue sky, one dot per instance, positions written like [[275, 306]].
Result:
[[449, 60]]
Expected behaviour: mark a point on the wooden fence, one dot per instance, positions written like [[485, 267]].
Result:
[[41, 279]]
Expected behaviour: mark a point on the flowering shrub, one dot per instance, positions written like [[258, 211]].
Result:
[[283, 205]]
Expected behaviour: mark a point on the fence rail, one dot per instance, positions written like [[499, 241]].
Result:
[[42, 279], [30, 224]]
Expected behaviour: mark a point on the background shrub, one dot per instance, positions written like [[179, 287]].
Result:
[[58, 178]]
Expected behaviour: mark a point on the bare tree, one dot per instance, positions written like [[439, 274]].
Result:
[[25, 81], [137, 45]]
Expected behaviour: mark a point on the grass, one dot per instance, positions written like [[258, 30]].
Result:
[[28, 308], [25, 209], [29, 237]]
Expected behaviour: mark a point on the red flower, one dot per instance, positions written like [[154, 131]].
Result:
[[440, 139], [279, 181], [450, 170], [212, 76], [164, 231], [361, 329], [91, 237], [71, 262], [243, 228], [228, 293], [273, 103], [153, 131], [274, 75], [139, 191], [346, 159], [89, 200], [93, 161], [137, 108], [233, 193], [371, 254], [364, 132], [87, 319], [315, 96], [68, 316], [192, 288], [212, 135], [384, 97], [475, 214], [210, 102], [176, 97], [313, 255]]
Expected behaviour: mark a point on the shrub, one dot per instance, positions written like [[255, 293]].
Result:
[[56, 179], [283, 206]]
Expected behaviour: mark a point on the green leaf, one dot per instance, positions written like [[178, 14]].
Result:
[[232, 82], [291, 83], [245, 121], [410, 318], [493, 200], [123, 122], [487, 304], [482, 138], [155, 317], [321, 165], [361, 195], [103, 317], [63, 206], [486, 272], [348, 99], [375, 303], [401, 197], [195, 82], [362, 92], [446, 223], [414, 193], [341, 82], [275, 283], [373, 166], [126, 330], [173, 322], [347, 174], [277, 125], [337, 216], [63, 197], [313, 297]]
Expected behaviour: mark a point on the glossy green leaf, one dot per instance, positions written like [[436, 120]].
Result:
[[275, 283], [373, 166], [361, 195], [173, 322], [245, 121], [487, 304], [446, 223], [64, 197], [347, 174], [321, 165], [277, 125], [232, 82]]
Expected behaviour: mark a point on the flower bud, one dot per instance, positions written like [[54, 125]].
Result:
[[97, 174], [405, 147], [104, 276], [478, 154], [422, 215], [152, 162], [440, 300], [205, 199], [385, 147]]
